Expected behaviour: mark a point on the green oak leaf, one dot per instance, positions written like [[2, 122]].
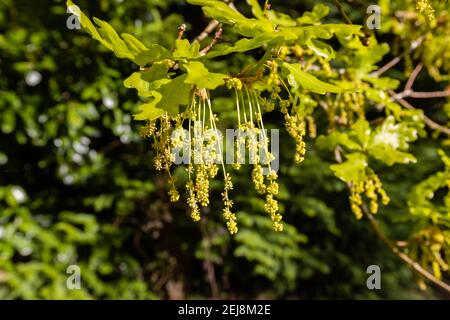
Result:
[[390, 140], [246, 44], [222, 12], [146, 81], [124, 46], [86, 23], [185, 50], [361, 131], [383, 82], [321, 49], [118, 46], [297, 77], [336, 138], [174, 93], [313, 17], [199, 75], [256, 9], [152, 54], [149, 111], [168, 97], [133, 43], [390, 156], [421, 200], [135, 81], [303, 34], [353, 169]]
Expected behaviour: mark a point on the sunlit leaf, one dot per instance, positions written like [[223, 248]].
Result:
[[201, 77], [298, 78], [351, 170]]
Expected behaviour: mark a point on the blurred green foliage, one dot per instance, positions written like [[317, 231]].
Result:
[[77, 184]]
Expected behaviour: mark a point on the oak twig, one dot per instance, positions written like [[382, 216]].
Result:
[[212, 25], [409, 92], [404, 257], [341, 10], [413, 76], [181, 30], [414, 45], [216, 38], [430, 123]]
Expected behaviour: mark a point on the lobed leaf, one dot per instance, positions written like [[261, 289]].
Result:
[[199, 75], [298, 78], [351, 170]]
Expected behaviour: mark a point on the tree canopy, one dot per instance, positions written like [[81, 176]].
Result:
[[96, 96]]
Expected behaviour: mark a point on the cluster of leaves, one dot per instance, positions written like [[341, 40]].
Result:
[[156, 82]]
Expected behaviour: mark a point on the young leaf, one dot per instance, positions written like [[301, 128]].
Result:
[[225, 14], [118, 46], [135, 81], [245, 44], [202, 78], [146, 81], [149, 111], [133, 43], [337, 138], [351, 170], [174, 94], [151, 55], [325, 31], [256, 9], [126, 46], [184, 50], [86, 23], [361, 131], [297, 77], [390, 140], [319, 11], [321, 49]]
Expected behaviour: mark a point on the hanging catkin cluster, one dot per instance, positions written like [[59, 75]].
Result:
[[253, 138], [372, 188], [196, 128], [426, 8]]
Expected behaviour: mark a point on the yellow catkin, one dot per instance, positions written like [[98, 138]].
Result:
[[192, 202], [426, 8], [258, 179], [271, 204], [202, 185], [373, 191], [168, 134], [229, 216], [173, 192], [297, 129]]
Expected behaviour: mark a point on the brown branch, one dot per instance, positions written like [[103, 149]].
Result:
[[414, 45], [404, 257], [409, 92], [428, 95], [430, 123], [181, 30], [216, 38], [388, 65], [212, 25], [413, 77], [341, 10]]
